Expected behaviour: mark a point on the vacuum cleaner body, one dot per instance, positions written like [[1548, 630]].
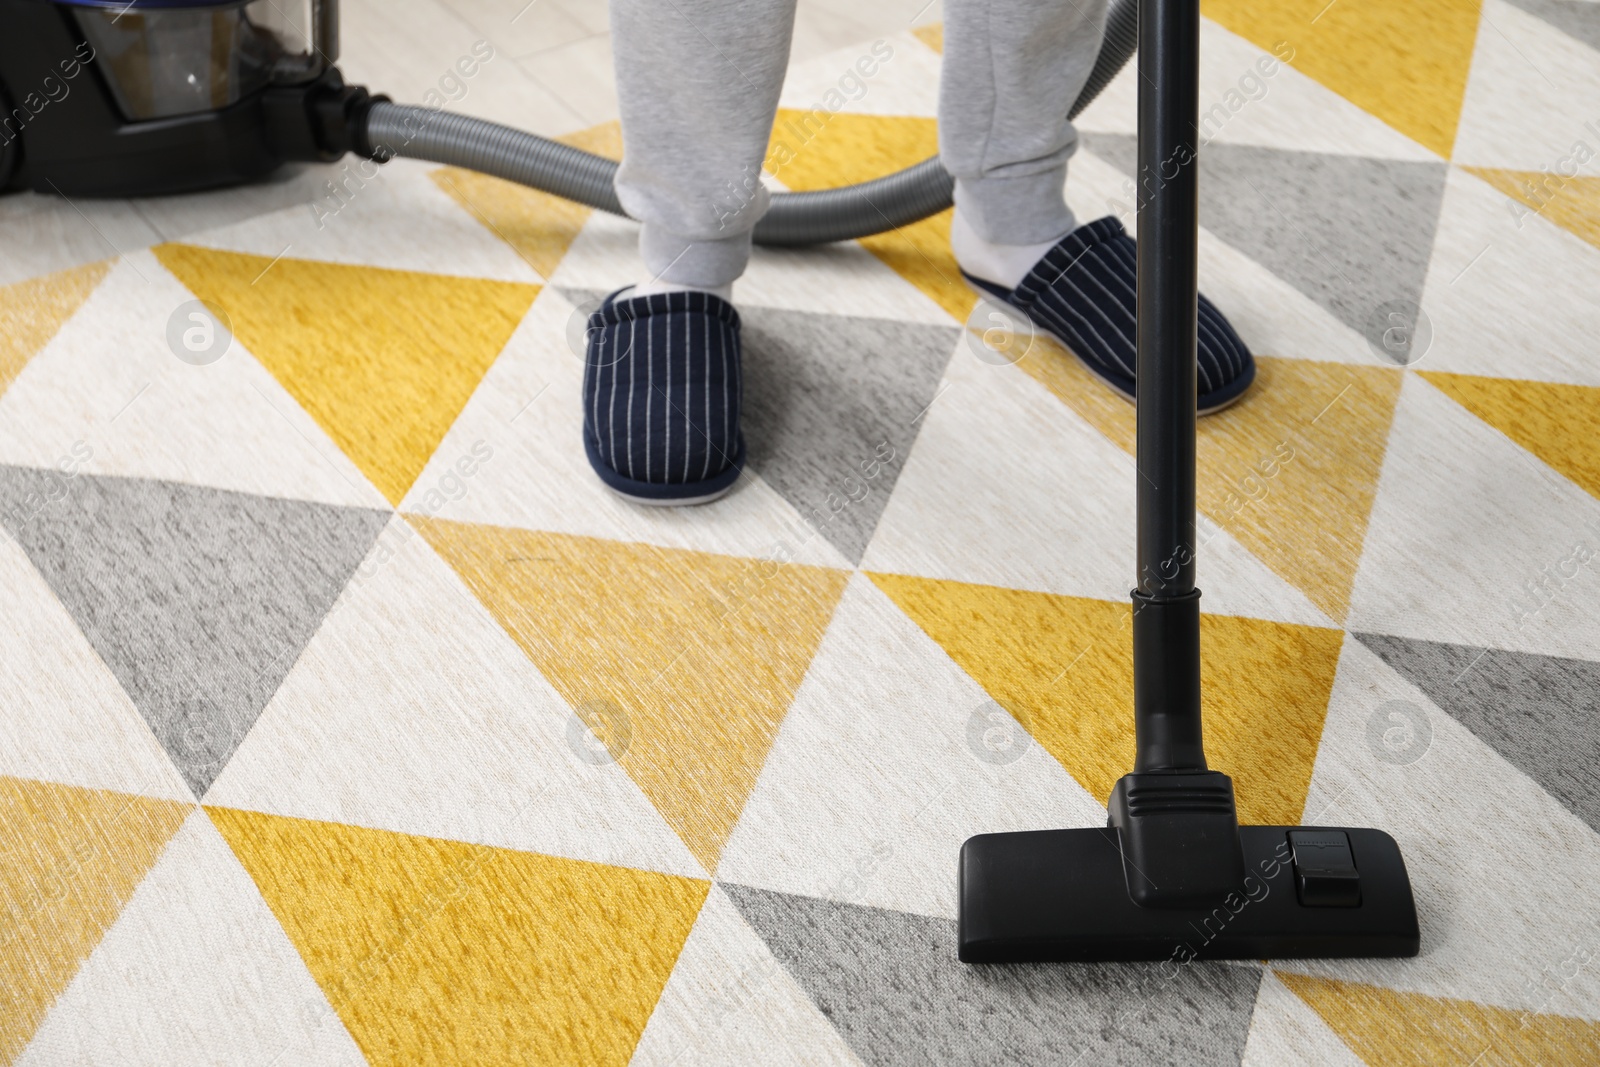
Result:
[[107, 98]]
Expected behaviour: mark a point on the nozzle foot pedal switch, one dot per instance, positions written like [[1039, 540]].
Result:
[[1325, 874]]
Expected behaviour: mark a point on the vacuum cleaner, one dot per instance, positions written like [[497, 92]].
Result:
[[120, 98], [1173, 876]]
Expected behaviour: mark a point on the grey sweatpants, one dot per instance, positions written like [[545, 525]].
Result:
[[698, 84]]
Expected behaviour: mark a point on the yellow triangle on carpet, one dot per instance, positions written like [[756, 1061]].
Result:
[[700, 654], [821, 150], [1388, 1028], [539, 226], [32, 311], [1558, 423], [69, 860], [1063, 666], [1571, 203], [384, 360], [1290, 471], [443, 952], [1405, 63]]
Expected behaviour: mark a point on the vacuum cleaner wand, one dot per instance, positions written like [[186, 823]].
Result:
[[1173, 876]]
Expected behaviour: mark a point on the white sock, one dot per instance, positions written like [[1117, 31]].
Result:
[[1004, 265], [652, 287]]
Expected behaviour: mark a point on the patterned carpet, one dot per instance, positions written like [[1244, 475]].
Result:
[[348, 719]]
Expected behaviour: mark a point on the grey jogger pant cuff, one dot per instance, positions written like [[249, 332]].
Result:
[[698, 84]]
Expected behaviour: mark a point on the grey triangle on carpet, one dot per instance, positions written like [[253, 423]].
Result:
[[1538, 712], [891, 984], [1351, 233], [831, 409], [199, 600], [1579, 19]]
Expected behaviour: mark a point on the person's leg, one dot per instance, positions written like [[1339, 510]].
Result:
[[1012, 69], [697, 85]]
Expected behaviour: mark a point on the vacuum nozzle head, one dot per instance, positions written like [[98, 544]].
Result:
[[1065, 895]]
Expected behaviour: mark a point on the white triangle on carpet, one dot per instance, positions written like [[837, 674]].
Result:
[[67, 719], [1496, 863], [1286, 1032], [195, 970], [394, 216], [109, 384], [1458, 533], [413, 711], [730, 1002], [873, 783]]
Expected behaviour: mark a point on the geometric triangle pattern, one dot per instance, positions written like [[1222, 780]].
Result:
[[1557, 423], [1350, 232], [885, 980], [383, 725], [32, 311], [71, 859], [1062, 666], [1291, 471], [806, 155], [198, 600], [162, 986], [833, 403], [1405, 63], [1504, 514], [868, 808], [437, 951], [1571, 203], [498, 767], [687, 661], [1576, 18], [729, 1003], [1386, 1027], [128, 407], [81, 729], [1538, 712], [832, 394], [1285, 1029], [383, 360]]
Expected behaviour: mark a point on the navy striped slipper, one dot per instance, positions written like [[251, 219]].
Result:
[[661, 396], [1082, 293]]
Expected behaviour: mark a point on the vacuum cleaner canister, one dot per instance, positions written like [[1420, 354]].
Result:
[[164, 61], [118, 98]]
